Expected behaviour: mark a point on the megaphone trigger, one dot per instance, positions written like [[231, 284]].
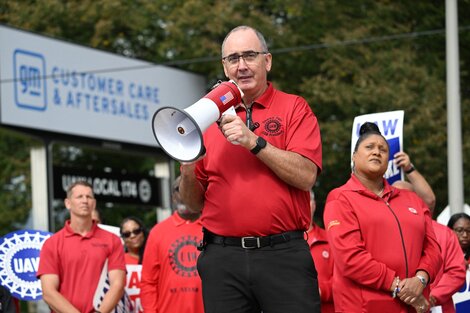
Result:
[[230, 111]]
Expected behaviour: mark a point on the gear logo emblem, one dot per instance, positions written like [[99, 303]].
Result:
[[183, 255], [19, 261], [273, 126]]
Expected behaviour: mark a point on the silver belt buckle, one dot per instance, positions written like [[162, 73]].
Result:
[[258, 244]]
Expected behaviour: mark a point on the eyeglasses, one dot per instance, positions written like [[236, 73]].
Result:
[[461, 231], [247, 56], [127, 234]]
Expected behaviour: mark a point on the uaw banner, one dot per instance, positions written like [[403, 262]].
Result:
[[391, 126], [19, 261]]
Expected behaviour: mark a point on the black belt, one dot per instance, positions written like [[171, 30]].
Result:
[[253, 242]]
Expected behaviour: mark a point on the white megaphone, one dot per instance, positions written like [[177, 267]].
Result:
[[179, 132]]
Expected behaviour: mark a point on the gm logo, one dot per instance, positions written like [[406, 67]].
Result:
[[30, 82]]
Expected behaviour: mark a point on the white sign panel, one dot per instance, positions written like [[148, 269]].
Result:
[[134, 276], [391, 127], [60, 87]]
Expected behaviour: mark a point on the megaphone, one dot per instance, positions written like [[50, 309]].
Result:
[[179, 132]]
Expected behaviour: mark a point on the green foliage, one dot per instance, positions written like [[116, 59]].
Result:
[[15, 180], [345, 57]]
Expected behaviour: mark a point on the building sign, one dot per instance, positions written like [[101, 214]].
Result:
[[109, 187], [64, 88], [19, 261]]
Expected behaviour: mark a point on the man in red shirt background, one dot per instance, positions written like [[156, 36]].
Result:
[[452, 273], [170, 282], [71, 260], [323, 259]]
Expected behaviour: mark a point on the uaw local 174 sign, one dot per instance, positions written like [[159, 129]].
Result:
[[19, 261]]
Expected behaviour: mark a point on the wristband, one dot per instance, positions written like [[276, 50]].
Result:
[[411, 170], [422, 280], [397, 289]]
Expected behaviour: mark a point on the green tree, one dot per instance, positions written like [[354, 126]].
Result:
[[345, 57], [15, 180]]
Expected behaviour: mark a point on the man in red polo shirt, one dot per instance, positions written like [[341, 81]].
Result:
[[253, 189], [71, 261]]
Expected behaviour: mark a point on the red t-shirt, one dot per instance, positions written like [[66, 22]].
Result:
[[78, 261], [170, 282], [130, 259], [243, 196]]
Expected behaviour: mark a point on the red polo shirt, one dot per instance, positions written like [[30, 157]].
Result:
[[78, 261], [243, 196]]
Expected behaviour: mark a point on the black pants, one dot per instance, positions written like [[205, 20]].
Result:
[[278, 279]]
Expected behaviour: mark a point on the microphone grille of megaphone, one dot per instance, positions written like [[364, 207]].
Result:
[[179, 132]]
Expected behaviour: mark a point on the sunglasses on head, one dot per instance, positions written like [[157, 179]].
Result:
[[127, 234]]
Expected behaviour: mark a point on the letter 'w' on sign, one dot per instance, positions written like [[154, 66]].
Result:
[[226, 98], [389, 127]]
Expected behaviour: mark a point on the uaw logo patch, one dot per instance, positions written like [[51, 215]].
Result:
[[19, 261], [273, 127], [183, 255]]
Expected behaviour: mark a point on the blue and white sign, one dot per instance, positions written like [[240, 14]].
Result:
[[462, 297], [391, 126], [30, 88], [19, 261], [60, 87]]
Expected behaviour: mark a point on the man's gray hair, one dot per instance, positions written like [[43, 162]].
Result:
[[260, 36]]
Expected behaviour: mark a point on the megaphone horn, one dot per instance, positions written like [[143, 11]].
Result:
[[179, 132]]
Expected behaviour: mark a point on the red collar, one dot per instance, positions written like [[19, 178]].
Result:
[[265, 99], [178, 220], [70, 232], [354, 184]]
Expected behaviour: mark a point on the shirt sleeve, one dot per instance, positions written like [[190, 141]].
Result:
[[431, 259], [454, 269], [150, 274], [116, 258], [48, 260], [303, 133]]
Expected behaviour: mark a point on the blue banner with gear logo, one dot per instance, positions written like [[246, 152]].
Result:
[[19, 261]]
